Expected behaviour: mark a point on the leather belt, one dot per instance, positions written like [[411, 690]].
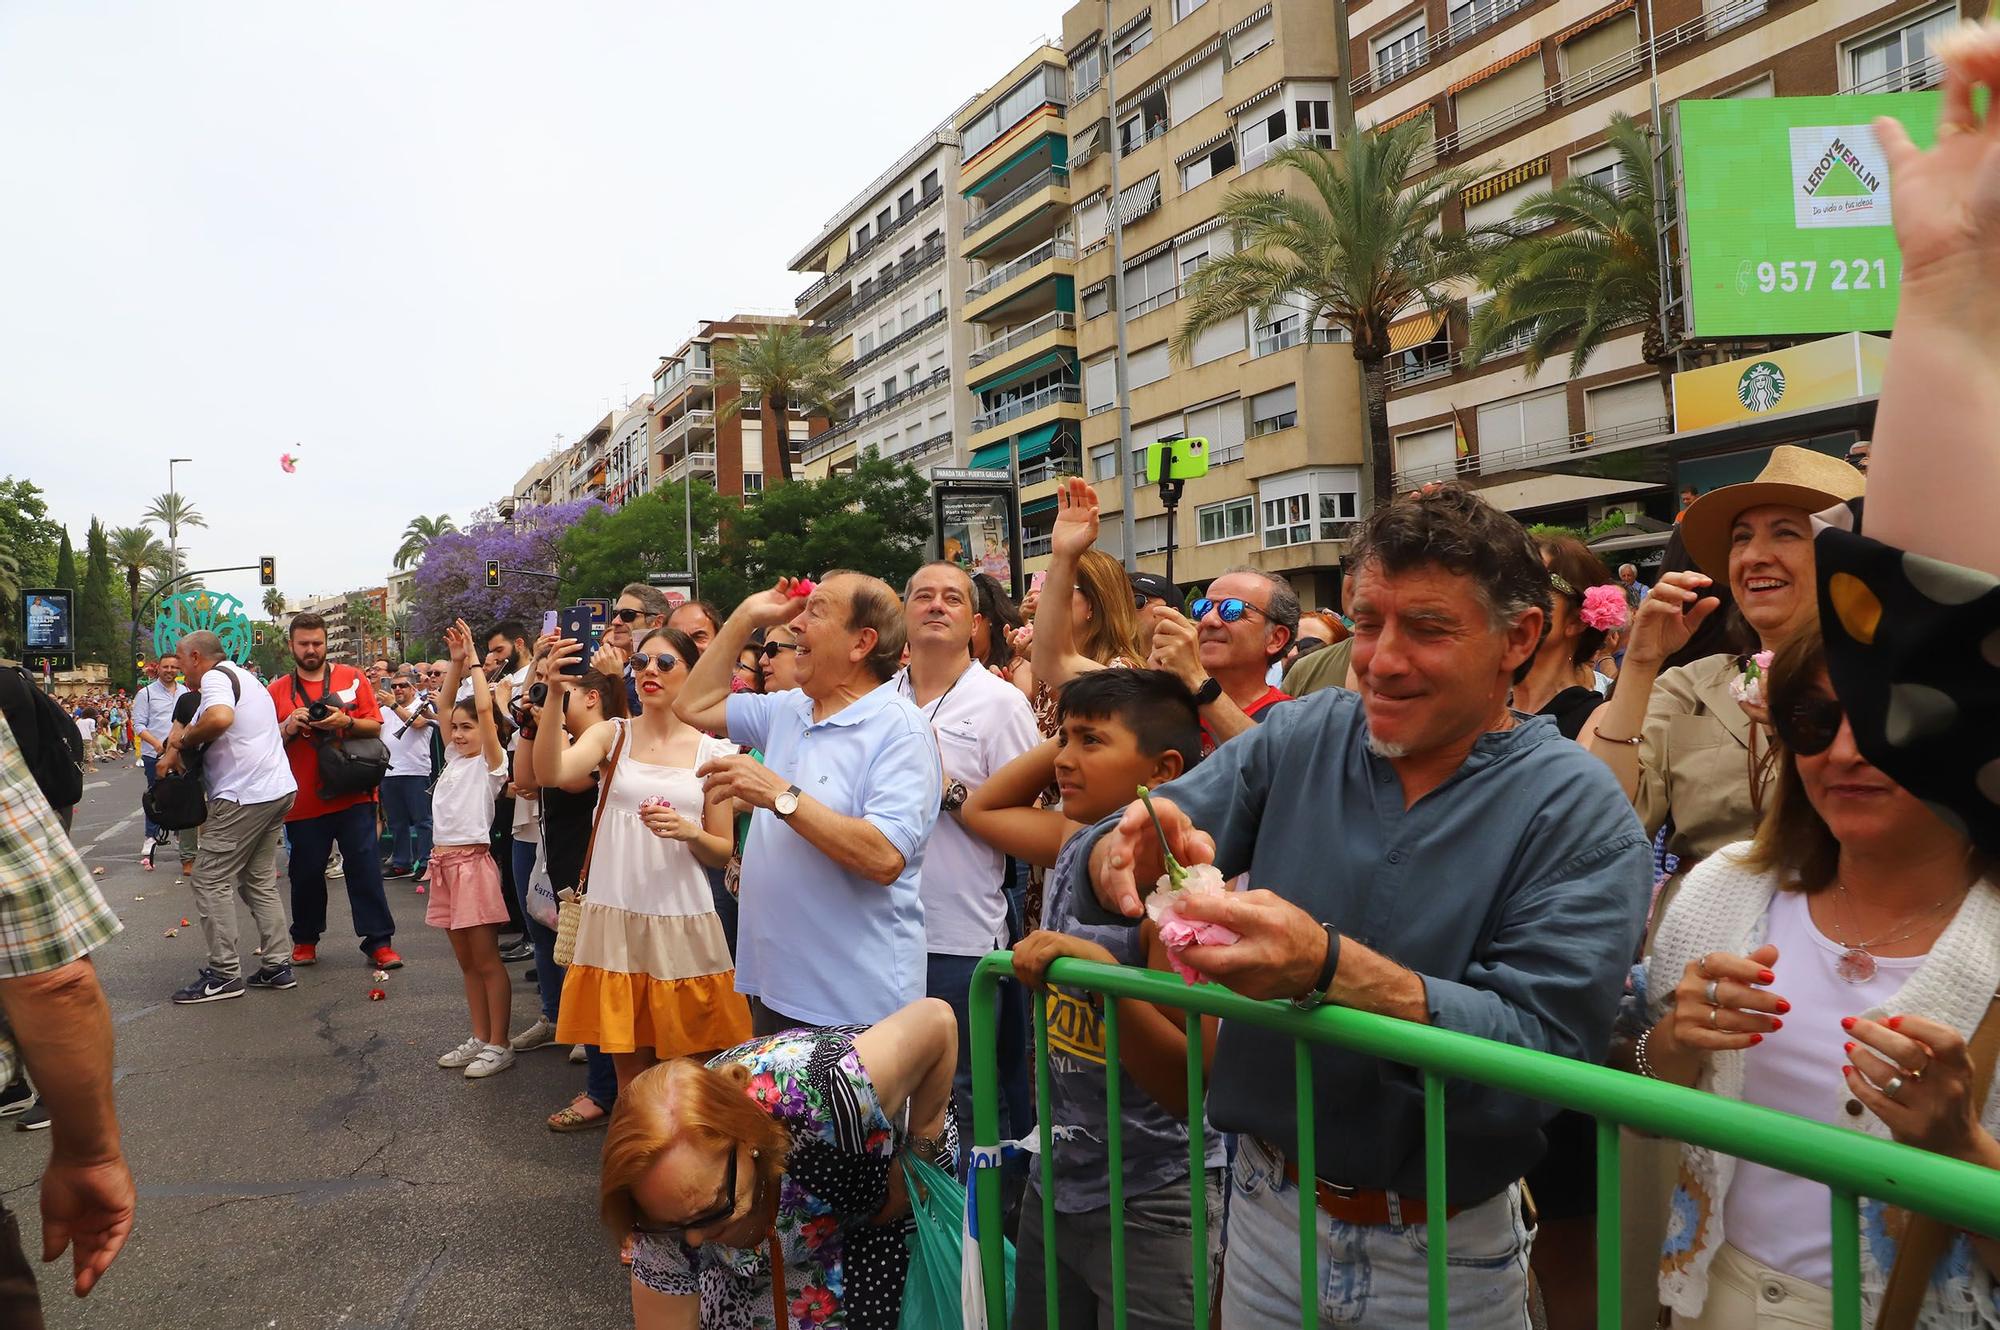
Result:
[[1359, 1205]]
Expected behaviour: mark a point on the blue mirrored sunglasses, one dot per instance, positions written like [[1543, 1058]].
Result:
[[1230, 609], [640, 660]]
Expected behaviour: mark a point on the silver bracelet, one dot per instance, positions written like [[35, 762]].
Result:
[[1639, 1057]]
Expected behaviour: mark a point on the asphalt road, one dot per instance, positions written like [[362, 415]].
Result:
[[301, 1160]]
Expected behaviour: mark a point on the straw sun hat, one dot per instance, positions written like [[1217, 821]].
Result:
[[1794, 477]]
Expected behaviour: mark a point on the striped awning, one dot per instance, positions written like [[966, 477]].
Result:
[[1131, 101], [1041, 507], [1420, 109], [1193, 232], [1586, 25], [1203, 147], [1415, 331], [1127, 29], [1251, 101], [1495, 185], [1245, 24], [1195, 57], [1508, 62]]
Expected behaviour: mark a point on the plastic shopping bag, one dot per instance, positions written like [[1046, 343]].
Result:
[[541, 896], [944, 1288]]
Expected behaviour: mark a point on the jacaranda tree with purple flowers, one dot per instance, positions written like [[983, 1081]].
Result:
[[451, 581]]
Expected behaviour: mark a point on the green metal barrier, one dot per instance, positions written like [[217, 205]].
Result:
[[1850, 1164]]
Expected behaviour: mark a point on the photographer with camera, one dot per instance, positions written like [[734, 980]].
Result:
[[331, 727], [407, 727]]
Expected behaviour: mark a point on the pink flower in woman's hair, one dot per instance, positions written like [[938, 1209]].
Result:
[[1604, 608]]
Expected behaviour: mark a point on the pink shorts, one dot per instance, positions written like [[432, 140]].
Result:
[[465, 889]]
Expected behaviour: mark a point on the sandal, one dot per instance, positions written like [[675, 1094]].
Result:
[[571, 1118]]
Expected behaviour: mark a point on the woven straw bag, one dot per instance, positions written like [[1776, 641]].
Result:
[[569, 901]]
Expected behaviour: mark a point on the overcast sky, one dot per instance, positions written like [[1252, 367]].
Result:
[[410, 243]]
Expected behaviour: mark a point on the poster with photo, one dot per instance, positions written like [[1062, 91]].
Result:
[[976, 530], [47, 620]]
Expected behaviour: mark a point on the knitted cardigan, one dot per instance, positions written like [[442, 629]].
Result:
[[1724, 906]]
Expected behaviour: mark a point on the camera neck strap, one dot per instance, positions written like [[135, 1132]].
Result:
[[326, 691]]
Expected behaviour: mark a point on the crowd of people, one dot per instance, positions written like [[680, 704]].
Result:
[[755, 858]]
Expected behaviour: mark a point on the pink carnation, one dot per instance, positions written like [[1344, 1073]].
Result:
[[1763, 659], [1604, 608]]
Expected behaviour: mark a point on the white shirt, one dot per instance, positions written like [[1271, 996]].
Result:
[[409, 755], [87, 727], [462, 801], [153, 711], [982, 722], [1797, 1069], [247, 763]]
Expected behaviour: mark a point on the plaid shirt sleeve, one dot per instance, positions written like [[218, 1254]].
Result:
[[51, 913]]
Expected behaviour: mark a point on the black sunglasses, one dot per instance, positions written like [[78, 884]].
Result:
[[665, 661], [771, 649], [1231, 609], [723, 1209], [1810, 725], [627, 615]]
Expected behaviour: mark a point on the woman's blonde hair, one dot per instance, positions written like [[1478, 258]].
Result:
[[1112, 631], [710, 1106]]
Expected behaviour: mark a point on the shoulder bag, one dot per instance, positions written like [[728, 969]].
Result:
[[569, 902], [348, 764], [177, 799], [1925, 1238]]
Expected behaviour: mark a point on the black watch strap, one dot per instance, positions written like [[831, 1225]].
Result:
[[1208, 692], [1316, 995]]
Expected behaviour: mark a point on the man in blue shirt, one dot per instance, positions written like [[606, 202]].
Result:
[[831, 930], [152, 719], [1421, 851]]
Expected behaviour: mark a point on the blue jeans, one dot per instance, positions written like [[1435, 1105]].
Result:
[[1369, 1275], [312, 840], [406, 803], [600, 1074]]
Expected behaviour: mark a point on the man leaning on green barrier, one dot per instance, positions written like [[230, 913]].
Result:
[[1419, 850]]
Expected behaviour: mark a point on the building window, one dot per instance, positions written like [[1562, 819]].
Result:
[[1231, 519], [933, 303], [1145, 124], [1315, 122], [1319, 503], [1182, 8], [1251, 40], [1104, 462], [906, 202], [1149, 535], [1603, 165], [1274, 410], [929, 184], [862, 235], [1086, 71], [753, 484], [1209, 165], [1262, 137], [1335, 509], [1133, 42], [1901, 60], [1399, 51], [888, 387], [1097, 300], [882, 220], [1471, 16], [867, 398], [1288, 521], [863, 345]]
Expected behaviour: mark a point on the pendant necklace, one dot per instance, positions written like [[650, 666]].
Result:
[[1856, 965]]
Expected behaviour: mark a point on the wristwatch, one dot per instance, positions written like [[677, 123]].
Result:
[[787, 803], [1316, 996], [1208, 692], [955, 795]]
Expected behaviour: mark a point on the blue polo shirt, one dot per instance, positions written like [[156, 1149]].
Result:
[[815, 941]]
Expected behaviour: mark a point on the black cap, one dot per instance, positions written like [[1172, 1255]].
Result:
[[1152, 586]]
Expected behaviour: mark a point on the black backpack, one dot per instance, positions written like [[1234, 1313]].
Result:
[[48, 737]]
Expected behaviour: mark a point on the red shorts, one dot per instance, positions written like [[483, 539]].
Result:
[[465, 889]]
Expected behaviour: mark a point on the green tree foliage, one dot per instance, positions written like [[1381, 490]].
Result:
[[66, 564], [30, 539], [368, 622], [417, 538], [274, 603], [786, 368], [607, 548], [100, 622], [271, 657]]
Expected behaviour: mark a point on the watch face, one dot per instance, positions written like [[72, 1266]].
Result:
[[787, 804]]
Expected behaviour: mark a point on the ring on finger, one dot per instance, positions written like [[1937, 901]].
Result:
[[1702, 965], [1708, 994], [1914, 1073], [1713, 1012], [1891, 1086]]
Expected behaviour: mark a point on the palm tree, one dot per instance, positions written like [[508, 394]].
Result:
[[1356, 246], [1595, 269], [274, 603], [135, 551], [785, 367], [174, 512], [417, 538]]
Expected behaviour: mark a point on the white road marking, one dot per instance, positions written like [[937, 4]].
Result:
[[95, 784], [113, 830]]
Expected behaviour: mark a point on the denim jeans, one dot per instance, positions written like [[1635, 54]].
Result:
[[1159, 1259], [406, 803], [313, 839], [601, 1074], [1369, 1275]]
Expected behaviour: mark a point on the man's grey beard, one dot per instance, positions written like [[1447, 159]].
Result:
[[1382, 748]]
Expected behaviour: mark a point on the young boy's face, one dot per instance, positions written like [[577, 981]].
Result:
[[1099, 767]]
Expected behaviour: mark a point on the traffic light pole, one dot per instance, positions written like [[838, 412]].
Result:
[[163, 587]]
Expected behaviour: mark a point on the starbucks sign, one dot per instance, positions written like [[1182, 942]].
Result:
[[1761, 387]]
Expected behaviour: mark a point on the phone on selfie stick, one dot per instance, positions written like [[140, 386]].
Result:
[[574, 622]]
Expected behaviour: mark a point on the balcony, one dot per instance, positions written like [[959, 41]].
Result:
[[1420, 366], [1530, 454], [674, 430], [1034, 258], [1055, 177], [680, 383], [929, 451], [1156, 130], [866, 299], [694, 464], [824, 442], [1053, 395], [1037, 541], [1047, 468], [1054, 321], [861, 252], [903, 338], [1913, 77], [1271, 342], [1479, 18]]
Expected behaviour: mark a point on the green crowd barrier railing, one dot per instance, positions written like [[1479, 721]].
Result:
[[1849, 1163]]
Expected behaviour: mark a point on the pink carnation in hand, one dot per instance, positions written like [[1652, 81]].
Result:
[[1176, 933], [1604, 608], [802, 588]]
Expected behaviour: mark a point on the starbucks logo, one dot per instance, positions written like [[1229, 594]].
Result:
[[1761, 386]]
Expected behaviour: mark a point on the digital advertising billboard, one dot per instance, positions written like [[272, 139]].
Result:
[[1785, 204], [47, 621]]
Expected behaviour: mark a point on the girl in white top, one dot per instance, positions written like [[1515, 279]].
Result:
[[465, 895], [653, 977]]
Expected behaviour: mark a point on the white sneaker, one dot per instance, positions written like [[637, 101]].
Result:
[[463, 1054], [492, 1058], [539, 1035], [334, 867], [146, 849], [577, 1055]]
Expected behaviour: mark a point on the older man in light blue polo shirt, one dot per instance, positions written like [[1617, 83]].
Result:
[[832, 926]]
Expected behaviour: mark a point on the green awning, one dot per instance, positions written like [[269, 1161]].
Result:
[[1034, 446], [1039, 508], [1060, 357], [992, 457], [1058, 149], [1035, 443]]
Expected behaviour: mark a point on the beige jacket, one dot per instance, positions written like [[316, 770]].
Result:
[[1694, 760]]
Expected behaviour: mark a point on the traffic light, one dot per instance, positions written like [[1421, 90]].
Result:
[[256, 637], [492, 572], [267, 571]]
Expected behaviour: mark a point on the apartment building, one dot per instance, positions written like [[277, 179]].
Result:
[[586, 474], [688, 437], [1206, 91], [345, 641], [540, 483], [1021, 365], [1523, 90], [628, 466], [889, 295]]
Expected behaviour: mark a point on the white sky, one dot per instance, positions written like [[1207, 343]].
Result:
[[410, 242]]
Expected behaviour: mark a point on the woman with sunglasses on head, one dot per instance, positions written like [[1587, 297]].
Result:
[[1839, 967], [766, 1185], [653, 976]]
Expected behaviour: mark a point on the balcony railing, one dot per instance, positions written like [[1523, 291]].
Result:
[[1913, 77], [1478, 20], [1432, 363], [861, 252], [1270, 343], [824, 442], [923, 260], [909, 334], [1528, 454], [694, 464], [1127, 147], [1021, 406], [1034, 258], [1158, 300], [1037, 542], [1021, 336], [925, 451], [1048, 468], [680, 383], [1054, 176], [684, 424]]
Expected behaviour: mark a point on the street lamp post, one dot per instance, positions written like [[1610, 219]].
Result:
[[173, 524]]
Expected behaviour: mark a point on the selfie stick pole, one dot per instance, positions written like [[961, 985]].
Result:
[[1170, 495]]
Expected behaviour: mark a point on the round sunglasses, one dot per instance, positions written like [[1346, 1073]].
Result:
[[1230, 609], [665, 662], [1810, 725]]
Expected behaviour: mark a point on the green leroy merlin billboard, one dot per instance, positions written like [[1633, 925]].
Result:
[[1786, 204]]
